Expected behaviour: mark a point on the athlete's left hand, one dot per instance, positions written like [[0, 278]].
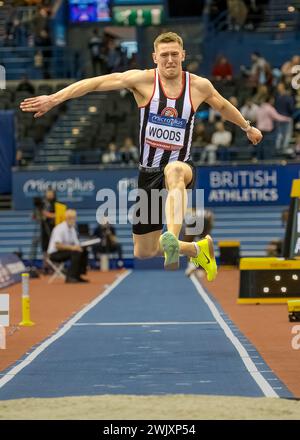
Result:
[[254, 135]]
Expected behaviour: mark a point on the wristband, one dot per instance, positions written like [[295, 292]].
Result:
[[248, 128]]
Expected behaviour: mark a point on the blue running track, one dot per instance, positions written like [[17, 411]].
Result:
[[153, 332]]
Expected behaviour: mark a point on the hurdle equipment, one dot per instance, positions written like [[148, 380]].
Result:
[[26, 321], [294, 310], [268, 280]]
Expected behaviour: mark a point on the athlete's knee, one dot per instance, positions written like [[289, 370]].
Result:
[[174, 169], [174, 176], [143, 253]]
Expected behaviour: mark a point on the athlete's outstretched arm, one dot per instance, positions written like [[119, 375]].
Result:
[[227, 110], [114, 81]]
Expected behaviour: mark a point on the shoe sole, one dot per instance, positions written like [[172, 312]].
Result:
[[210, 246], [211, 250], [174, 247]]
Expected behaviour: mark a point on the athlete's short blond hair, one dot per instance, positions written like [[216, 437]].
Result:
[[168, 37]]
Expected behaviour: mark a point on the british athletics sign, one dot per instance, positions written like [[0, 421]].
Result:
[[247, 185]]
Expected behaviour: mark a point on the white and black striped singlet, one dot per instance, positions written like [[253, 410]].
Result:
[[166, 126]]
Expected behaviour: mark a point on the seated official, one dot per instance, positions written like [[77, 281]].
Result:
[[109, 242], [64, 245]]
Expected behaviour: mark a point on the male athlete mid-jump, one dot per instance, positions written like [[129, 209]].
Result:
[[167, 98]]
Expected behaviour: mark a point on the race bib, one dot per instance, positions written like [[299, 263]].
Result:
[[166, 132]]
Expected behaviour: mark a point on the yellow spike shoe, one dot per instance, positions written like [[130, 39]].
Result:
[[170, 246], [206, 257]]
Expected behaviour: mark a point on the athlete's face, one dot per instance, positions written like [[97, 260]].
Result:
[[169, 58]]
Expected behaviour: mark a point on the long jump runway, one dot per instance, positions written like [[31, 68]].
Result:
[[151, 333]]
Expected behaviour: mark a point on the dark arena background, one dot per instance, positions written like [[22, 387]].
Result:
[[128, 340]]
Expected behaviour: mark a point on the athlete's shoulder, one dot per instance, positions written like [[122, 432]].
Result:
[[200, 81], [137, 76], [201, 84], [146, 73]]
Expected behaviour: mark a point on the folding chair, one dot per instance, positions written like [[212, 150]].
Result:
[[57, 270]]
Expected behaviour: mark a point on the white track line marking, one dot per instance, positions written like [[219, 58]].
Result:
[[257, 376], [112, 324], [15, 370]]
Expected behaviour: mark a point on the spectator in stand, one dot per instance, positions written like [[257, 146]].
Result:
[[261, 95], [237, 14], [249, 110], [256, 12], [116, 58], [285, 105], [133, 62], [25, 85], [109, 242], [13, 30], [220, 142], [40, 24], [20, 161], [96, 53], [260, 71], [112, 156], [297, 144], [129, 152], [45, 43], [38, 60], [223, 139], [194, 66], [200, 140], [42, 37], [266, 116], [222, 70]]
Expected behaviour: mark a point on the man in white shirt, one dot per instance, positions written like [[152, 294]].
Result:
[[249, 110], [220, 141], [64, 245]]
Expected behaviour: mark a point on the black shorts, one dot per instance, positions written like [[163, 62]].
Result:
[[147, 181]]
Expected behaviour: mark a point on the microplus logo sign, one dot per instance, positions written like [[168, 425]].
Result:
[[2, 77], [67, 186]]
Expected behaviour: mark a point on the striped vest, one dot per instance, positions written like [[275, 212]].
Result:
[[166, 126]]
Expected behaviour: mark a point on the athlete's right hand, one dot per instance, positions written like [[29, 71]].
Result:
[[39, 105]]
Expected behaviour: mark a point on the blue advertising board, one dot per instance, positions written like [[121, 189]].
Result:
[[11, 268], [76, 188], [223, 185], [247, 185]]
